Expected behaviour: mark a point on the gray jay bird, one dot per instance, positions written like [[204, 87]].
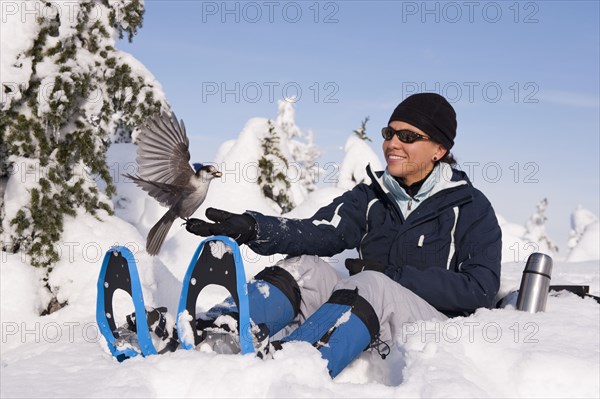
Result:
[[166, 175]]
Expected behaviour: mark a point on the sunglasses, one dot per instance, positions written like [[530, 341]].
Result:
[[404, 135]]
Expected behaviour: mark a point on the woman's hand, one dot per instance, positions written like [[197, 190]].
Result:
[[355, 266], [242, 228]]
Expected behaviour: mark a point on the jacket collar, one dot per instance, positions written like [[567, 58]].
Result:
[[449, 183], [439, 179]]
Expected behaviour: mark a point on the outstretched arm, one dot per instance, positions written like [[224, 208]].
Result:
[[334, 228]]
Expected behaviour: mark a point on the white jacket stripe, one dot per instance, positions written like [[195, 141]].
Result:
[[452, 246]]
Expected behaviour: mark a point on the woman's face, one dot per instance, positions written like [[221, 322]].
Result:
[[410, 162]]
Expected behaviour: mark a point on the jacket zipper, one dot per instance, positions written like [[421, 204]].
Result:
[[384, 197]]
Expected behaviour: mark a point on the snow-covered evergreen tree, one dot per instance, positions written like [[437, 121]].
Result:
[[67, 93], [358, 154], [273, 167], [361, 132], [584, 236], [301, 147], [536, 230], [286, 157], [581, 218]]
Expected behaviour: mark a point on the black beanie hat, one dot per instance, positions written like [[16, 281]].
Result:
[[431, 113]]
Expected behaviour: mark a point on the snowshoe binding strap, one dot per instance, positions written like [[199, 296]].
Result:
[[157, 324], [381, 347], [221, 335]]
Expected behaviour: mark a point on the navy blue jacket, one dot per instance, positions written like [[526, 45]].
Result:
[[447, 251]]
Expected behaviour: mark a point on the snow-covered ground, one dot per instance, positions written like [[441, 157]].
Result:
[[493, 353]]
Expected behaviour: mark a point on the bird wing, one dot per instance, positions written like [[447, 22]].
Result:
[[163, 151], [166, 194]]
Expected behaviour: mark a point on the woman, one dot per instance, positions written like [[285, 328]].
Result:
[[429, 245]]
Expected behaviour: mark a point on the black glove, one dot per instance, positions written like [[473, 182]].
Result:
[[355, 266], [242, 228]]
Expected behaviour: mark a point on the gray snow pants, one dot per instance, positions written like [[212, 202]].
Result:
[[393, 304]]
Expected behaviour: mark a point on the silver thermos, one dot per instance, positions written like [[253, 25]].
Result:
[[535, 283]]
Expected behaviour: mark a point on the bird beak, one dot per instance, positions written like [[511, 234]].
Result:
[[217, 174]]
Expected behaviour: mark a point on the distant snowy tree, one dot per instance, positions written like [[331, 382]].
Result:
[[286, 156], [303, 152], [286, 119], [536, 230], [358, 154], [361, 132], [580, 219], [273, 166], [68, 92]]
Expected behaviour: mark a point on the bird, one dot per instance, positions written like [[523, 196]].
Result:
[[165, 173]]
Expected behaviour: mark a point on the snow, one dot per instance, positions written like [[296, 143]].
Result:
[[185, 329], [16, 68], [27, 173], [218, 249], [585, 236], [358, 154], [588, 247], [263, 288], [493, 353]]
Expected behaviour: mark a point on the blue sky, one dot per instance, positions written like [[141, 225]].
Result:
[[522, 76]]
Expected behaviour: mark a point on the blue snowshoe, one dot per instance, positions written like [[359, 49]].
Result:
[[134, 337], [217, 261]]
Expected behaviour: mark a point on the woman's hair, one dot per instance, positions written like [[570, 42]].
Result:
[[449, 159]]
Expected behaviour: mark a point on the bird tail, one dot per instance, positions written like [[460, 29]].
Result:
[[158, 233]]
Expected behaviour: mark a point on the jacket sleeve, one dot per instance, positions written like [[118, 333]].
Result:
[[476, 281], [334, 228]]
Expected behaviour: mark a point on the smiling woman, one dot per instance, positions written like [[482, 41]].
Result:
[[420, 133], [429, 245]]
